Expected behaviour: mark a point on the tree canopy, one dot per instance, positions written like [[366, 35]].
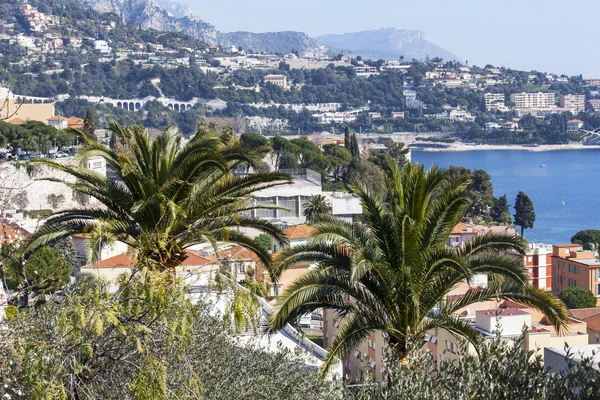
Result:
[[167, 197], [524, 213], [576, 297]]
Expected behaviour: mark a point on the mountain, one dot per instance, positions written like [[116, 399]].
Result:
[[274, 42], [168, 15], [162, 15], [386, 43]]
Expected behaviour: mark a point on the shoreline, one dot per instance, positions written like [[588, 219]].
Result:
[[457, 147]]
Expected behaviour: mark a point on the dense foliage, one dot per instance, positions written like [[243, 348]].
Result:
[[577, 297], [588, 238], [167, 197]]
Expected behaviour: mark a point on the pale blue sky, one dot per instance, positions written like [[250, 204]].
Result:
[[546, 35]]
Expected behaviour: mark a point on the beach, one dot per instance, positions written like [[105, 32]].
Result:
[[544, 147]]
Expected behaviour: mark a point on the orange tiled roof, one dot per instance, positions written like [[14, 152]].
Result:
[[17, 121], [576, 121], [585, 313], [463, 228], [128, 260], [299, 231], [195, 258], [238, 252], [74, 121], [56, 118], [10, 232], [593, 322]]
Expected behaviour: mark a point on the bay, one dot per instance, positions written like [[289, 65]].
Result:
[[570, 176]]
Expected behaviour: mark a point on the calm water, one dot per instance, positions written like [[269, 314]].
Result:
[[570, 176]]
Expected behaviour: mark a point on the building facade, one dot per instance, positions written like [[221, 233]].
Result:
[[573, 102], [292, 198], [574, 267], [533, 100], [494, 101], [278, 80]]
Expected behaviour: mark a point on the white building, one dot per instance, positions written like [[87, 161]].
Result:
[[558, 358], [533, 100], [365, 70], [574, 125], [573, 102], [102, 46], [292, 197], [494, 101]]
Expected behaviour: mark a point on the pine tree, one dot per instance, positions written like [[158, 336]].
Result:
[[524, 214], [500, 210]]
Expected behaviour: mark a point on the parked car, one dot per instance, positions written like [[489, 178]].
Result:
[[304, 320], [60, 154], [316, 317]]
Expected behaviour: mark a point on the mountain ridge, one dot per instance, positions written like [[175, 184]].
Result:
[[386, 43], [170, 15]]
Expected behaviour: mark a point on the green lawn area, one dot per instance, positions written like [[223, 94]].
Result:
[[318, 340]]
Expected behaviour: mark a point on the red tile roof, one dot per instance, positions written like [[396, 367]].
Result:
[[299, 231], [128, 260], [464, 228], [238, 253], [11, 232], [584, 313]]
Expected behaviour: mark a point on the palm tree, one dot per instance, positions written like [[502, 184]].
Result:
[[316, 207], [164, 196], [393, 273]]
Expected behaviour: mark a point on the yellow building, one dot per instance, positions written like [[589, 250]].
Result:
[[9, 110]]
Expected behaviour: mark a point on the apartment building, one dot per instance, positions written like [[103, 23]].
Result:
[[573, 102], [595, 103], [538, 260], [533, 100], [365, 70], [574, 267], [278, 80], [494, 101]]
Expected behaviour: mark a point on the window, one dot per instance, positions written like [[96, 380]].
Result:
[[370, 344], [291, 204], [597, 289], [357, 354], [336, 323], [598, 274], [264, 213]]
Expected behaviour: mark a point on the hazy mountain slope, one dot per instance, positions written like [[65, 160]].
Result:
[[386, 43], [278, 42]]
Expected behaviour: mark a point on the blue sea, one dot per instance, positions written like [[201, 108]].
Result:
[[565, 194]]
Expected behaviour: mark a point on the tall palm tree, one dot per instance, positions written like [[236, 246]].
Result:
[[163, 196], [316, 206], [393, 273]]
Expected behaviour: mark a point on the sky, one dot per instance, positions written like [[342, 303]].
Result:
[[546, 35]]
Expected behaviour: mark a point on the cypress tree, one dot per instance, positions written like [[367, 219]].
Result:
[[524, 214]]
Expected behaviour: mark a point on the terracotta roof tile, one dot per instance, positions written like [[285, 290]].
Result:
[[17, 121], [238, 252], [127, 260], [584, 313], [11, 232], [299, 231], [593, 322], [464, 228]]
